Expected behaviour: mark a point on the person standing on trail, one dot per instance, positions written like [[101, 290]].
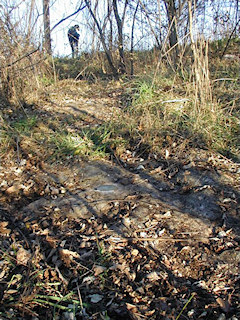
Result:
[[73, 37]]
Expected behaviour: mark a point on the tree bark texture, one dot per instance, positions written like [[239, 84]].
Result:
[[47, 32], [119, 21], [172, 20]]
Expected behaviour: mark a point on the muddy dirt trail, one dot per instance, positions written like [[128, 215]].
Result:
[[170, 226]]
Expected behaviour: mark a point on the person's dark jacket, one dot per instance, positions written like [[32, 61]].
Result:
[[73, 35]]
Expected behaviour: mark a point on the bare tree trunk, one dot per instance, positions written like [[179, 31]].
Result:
[[122, 66], [30, 22], [160, 20], [47, 33], [237, 14], [132, 36], [172, 19], [94, 27], [102, 38], [110, 40]]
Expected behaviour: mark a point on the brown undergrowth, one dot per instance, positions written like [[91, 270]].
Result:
[[68, 251], [67, 254]]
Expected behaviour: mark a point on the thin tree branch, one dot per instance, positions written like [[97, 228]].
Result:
[[150, 24], [229, 39], [59, 22], [106, 50], [25, 56], [124, 11]]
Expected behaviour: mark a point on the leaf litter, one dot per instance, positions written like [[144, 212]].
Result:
[[137, 239]]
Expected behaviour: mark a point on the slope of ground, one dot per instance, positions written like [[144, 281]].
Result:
[[120, 237]]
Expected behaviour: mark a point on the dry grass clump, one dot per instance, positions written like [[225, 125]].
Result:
[[197, 103], [195, 110], [89, 66], [24, 68]]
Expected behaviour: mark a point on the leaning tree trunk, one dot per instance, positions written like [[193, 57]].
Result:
[[102, 38]]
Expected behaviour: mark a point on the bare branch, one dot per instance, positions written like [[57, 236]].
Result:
[[71, 15], [25, 56]]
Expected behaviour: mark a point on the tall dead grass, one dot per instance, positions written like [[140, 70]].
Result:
[[185, 107], [22, 65]]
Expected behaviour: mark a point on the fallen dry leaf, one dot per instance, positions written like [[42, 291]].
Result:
[[134, 312], [88, 280], [23, 256], [131, 307], [224, 304], [68, 255], [135, 252], [52, 241], [98, 270], [3, 229], [14, 189], [153, 276]]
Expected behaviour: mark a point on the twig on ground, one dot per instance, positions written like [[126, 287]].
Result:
[[157, 239], [18, 157], [186, 304], [224, 79], [175, 100]]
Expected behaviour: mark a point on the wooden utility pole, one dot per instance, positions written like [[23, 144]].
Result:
[[46, 21]]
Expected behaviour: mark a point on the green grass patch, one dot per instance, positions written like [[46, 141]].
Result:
[[24, 125], [88, 143], [11, 133], [51, 139]]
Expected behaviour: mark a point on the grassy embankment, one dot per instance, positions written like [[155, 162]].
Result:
[[160, 109]]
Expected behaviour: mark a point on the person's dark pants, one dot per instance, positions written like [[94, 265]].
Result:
[[74, 46]]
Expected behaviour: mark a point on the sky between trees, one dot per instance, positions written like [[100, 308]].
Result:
[[213, 18]]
